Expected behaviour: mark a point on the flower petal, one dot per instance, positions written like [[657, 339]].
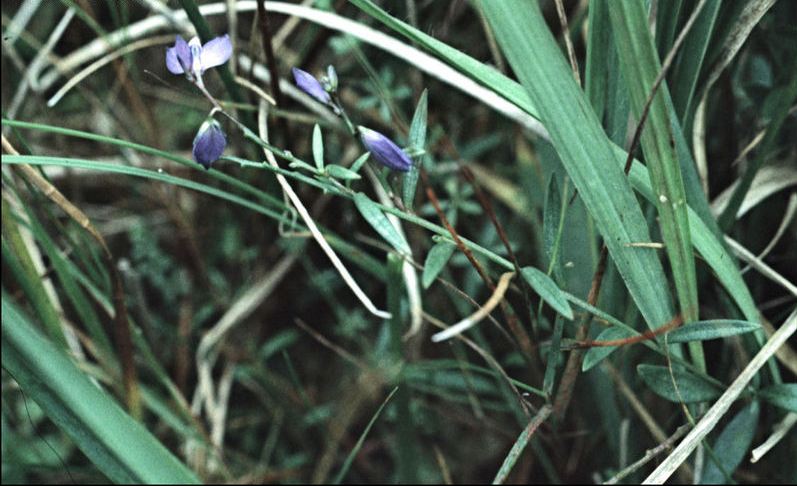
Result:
[[384, 150], [183, 53], [216, 52], [209, 143], [172, 63], [310, 85]]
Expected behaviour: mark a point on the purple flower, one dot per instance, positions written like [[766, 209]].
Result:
[[193, 59], [310, 85], [384, 150], [209, 143]]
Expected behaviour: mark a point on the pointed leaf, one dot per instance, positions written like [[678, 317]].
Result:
[[783, 396], [377, 219], [417, 141], [340, 172], [597, 354], [435, 261], [548, 291], [731, 445], [691, 388], [706, 330], [318, 148]]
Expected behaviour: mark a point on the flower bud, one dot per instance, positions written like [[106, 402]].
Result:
[[209, 143], [384, 150], [310, 85], [332, 79]]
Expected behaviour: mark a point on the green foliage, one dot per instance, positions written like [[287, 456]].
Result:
[[261, 357]]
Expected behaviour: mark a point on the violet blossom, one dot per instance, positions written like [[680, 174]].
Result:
[[193, 59], [384, 150], [310, 85], [209, 143]]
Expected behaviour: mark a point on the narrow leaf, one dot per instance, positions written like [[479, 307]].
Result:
[[554, 354], [417, 141], [552, 224], [706, 330], [783, 396], [690, 388], [597, 354], [377, 219], [548, 291], [435, 261], [340, 172], [318, 148], [731, 445]]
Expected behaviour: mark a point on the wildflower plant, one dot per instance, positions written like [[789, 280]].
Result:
[[192, 59], [574, 266]]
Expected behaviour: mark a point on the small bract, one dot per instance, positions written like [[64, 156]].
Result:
[[193, 59], [209, 143], [384, 150]]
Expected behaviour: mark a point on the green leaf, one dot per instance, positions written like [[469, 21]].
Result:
[[691, 388], [358, 164], [435, 261], [706, 330], [640, 65], [118, 445], [340, 172], [417, 141], [554, 354], [731, 445], [547, 289], [583, 148], [783, 396], [377, 219], [599, 54], [318, 148], [552, 225], [704, 240], [595, 355]]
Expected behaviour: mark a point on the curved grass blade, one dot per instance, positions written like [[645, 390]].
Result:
[[350, 458], [118, 445]]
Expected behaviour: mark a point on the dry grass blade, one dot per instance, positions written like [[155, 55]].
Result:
[[476, 317]]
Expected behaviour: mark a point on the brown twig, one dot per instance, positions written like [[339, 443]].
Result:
[[271, 62], [650, 334], [571, 52]]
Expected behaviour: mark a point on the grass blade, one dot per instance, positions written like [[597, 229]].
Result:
[[640, 65], [118, 445], [583, 147]]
